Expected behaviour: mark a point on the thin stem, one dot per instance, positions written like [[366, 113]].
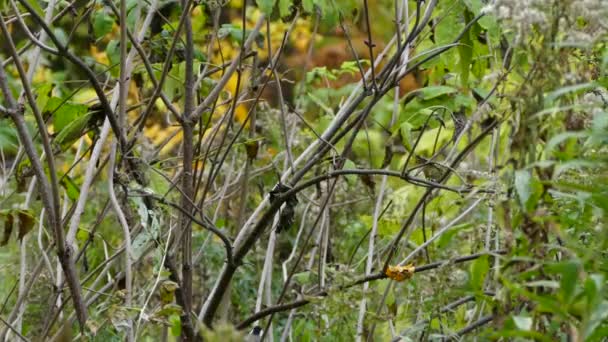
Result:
[[127, 237], [372, 277], [48, 190]]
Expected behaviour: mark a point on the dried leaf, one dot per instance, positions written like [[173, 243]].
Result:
[[8, 228], [168, 310], [167, 291], [369, 182], [487, 122], [400, 273], [252, 146], [288, 212], [26, 223], [286, 217]]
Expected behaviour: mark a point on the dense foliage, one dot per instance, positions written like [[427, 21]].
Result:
[[316, 169]]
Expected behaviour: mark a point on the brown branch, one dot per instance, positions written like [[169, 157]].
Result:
[[393, 247], [370, 45], [15, 331], [181, 298], [246, 239], [147, 64], [204, 222], [481, 322], [65, 52], [378, 172], [187, 177], [376, 276], [48, 190], [228, 270]]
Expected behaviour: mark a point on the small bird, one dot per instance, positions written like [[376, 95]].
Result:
[[460, 122], [433, 171]]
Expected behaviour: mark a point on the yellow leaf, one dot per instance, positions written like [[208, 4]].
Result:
[[400, 273], [173, 142], [240, 114], [133, 96], [232, 82], [197, 11], [42, 75], [85, 96], [236, 4], [100, 56], [272, 151]]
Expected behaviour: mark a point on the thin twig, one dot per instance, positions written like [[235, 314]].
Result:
[[15, 331], [475, 325], [376, 276]]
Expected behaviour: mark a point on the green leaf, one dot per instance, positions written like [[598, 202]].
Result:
[[352, 67], [446, 237], [64, 113], [158, 183], [460, 101], [369, 145], [528, 189], [9, 141], [113, 51], [474, 6], [465, 50], [102, 24], [132, 16], [72, 190], [430, 141], [43, 93], [169, 310], [60, 34], [319, 102], [303, 278], [561, 137], [428, 93], [149, 220], [308, 5], [479, 269], [598, 316], [576, 164], [568, 270], [405, 131], [285, 7], [266, 6], [577, 88], [350, 165], [199, 55], [200, 21], [176, 325], [522, 185], [451, 24], [37, 8], [72, 131], [235, 33], [523, 322], [388, 228], [330, 13], [320, 72]]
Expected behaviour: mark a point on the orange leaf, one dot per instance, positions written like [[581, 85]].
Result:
[[400, 273]]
